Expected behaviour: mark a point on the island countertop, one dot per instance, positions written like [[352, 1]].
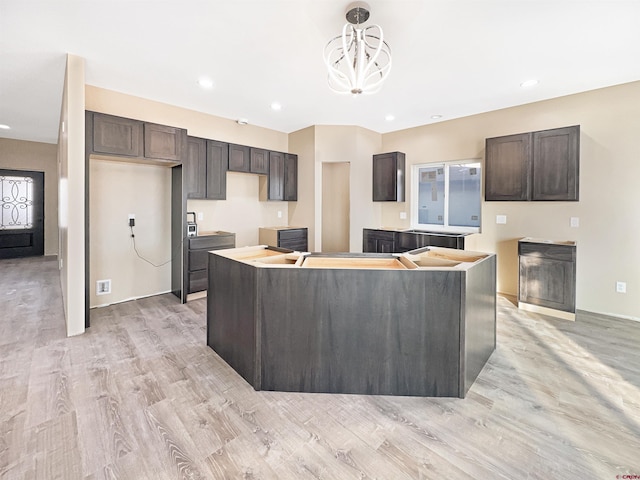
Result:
[[420, 323]]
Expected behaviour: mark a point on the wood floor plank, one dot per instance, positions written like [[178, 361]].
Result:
[[141, 396]]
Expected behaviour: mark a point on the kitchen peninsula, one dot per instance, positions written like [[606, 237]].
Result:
[[421, 323]]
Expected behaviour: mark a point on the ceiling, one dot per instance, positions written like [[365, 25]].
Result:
[[450, 57]]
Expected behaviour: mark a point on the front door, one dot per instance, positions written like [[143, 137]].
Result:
[[21, 213]]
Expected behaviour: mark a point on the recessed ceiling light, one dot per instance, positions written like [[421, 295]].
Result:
[[435, 117], [529, 83], [276, 106], [205, 82], [389, 118], [242, 121], [4, 127]]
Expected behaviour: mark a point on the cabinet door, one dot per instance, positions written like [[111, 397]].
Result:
[[291, 177], [547, 282], [276, 176], [508, 167], [386, 246], [239, 158], [388, 177], [556, 164], [162, 142], [217, 164], [259, 161], [116, 135], [194, 168]]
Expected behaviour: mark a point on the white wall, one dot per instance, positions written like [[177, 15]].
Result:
[[118, 189], [71, 195]]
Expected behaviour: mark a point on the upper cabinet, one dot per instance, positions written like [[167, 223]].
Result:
[[116, 135], [537, 166], [276, 176], [259, 161], [205, 169], [194, 168], [165, 143], [239, 158], [140, 141], [290, 177], [388, 177]]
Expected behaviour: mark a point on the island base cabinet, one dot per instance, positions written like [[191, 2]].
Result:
[[359, 331]]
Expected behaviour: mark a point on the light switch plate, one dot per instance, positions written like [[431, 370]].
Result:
[[403, 215], [501, 219], [575, 222]]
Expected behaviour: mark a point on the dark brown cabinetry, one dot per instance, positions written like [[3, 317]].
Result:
[[194, 168], [293, 238], [276, 176], [380, 241], [205, 169], [389, 177], [197, 249], [391, 241], [547, 274], [542, 165], [162, 142], [290, 177], [259, 161], [137, 140], [217, 164], [116, 135], [239, 158]]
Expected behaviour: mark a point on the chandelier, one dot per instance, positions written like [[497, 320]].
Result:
[[359, 60]]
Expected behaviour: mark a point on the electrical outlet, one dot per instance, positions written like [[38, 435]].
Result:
[[279, 213], [501, 219], [200, 216], [403, 215], [575, 222], [103, 287], [621, 287]]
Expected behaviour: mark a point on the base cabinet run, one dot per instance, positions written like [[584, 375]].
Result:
[[547, 277], [197, 250]]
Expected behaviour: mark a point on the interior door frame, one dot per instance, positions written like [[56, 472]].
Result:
[[37, 232]]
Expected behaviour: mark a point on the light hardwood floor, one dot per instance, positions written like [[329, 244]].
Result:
[[141, 396]]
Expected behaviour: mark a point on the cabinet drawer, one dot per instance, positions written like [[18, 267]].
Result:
[[292, 234], [551, 251], [198, 281], [211, 242], [296, 244], [198, 260]]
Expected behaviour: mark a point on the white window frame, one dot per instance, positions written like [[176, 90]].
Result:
[[414, 208]]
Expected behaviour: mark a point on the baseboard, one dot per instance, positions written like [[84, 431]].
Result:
[[130, 299]]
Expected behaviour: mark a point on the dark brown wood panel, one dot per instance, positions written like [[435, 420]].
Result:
[[259, 161], [239, 158], [232, 295], [508, 168], [195, 168], [163, 142], [378, 241], [389, 177], [117, 135], [556, 164], [217, 165], [276, 176], [291, 177]]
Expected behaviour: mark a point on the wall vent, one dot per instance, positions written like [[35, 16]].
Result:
[[103, 287]]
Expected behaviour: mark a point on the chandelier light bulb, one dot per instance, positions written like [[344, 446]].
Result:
[[359, 60]]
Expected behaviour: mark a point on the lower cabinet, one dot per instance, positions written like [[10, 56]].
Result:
[[378, 241], [547, 275], [196, 262], [293, 238], [390, 241]]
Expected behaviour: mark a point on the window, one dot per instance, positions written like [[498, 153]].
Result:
[[447, 196], [16, 203]]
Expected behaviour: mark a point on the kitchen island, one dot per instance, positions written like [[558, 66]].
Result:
[[421, 323]]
